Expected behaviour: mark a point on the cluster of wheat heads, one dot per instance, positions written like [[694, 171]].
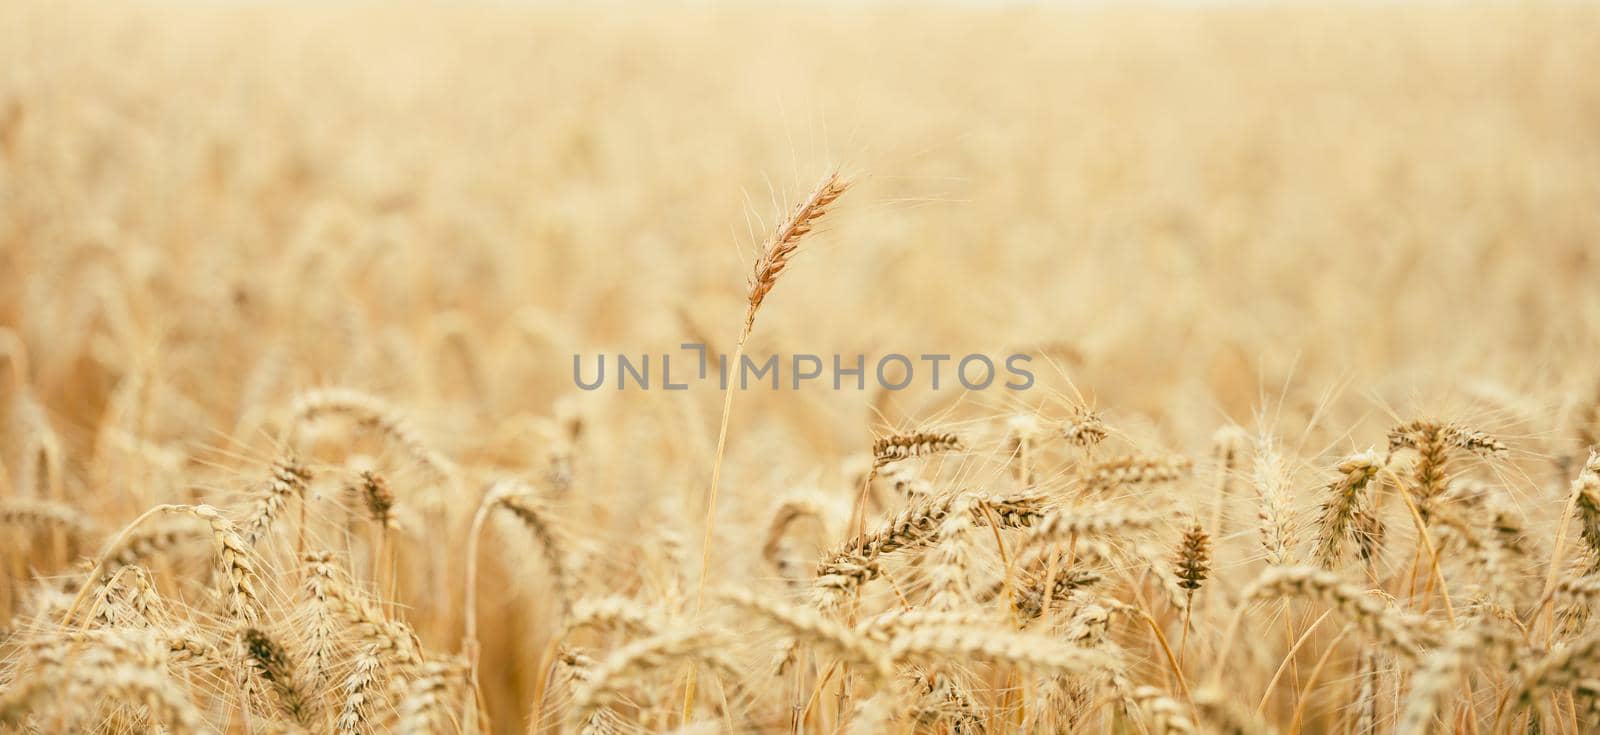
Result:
[[1078, 584], [1412, 600]]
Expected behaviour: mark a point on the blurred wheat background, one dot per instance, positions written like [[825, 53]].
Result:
[[286, 260]]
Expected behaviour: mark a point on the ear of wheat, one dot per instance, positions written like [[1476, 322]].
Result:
[[890, 449], [785, 241], [1346, 497], [1193, 559]]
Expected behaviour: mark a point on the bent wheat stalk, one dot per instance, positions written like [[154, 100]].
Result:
[[233, 555], [516, 497]]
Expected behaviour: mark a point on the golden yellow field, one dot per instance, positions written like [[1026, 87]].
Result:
[[299, 303]]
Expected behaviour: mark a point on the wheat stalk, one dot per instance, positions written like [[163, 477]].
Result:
[[781, 245]]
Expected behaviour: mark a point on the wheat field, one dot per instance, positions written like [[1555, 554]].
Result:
[[298, 303]]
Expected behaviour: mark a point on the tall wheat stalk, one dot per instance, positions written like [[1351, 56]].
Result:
[[775, 255]]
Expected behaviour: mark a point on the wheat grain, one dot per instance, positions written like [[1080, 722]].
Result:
[[520, 501], [1560, 668], [1193, 559], [426, 697], [1278, 528], [810, 627], [1404, 637], [1035, 652], [1586, 501], [372, 413], [1084, 429], [288, 482], [377, 497], [952, 558], [894, 448], [626, 665], [1439, 670], [1222, 713], [1346, 497], [1134, 470], [1166, 715], [1062, 525], [786, 514], [614, 613], [43, 517], [785, 241], [273, 665], [857, 561]]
